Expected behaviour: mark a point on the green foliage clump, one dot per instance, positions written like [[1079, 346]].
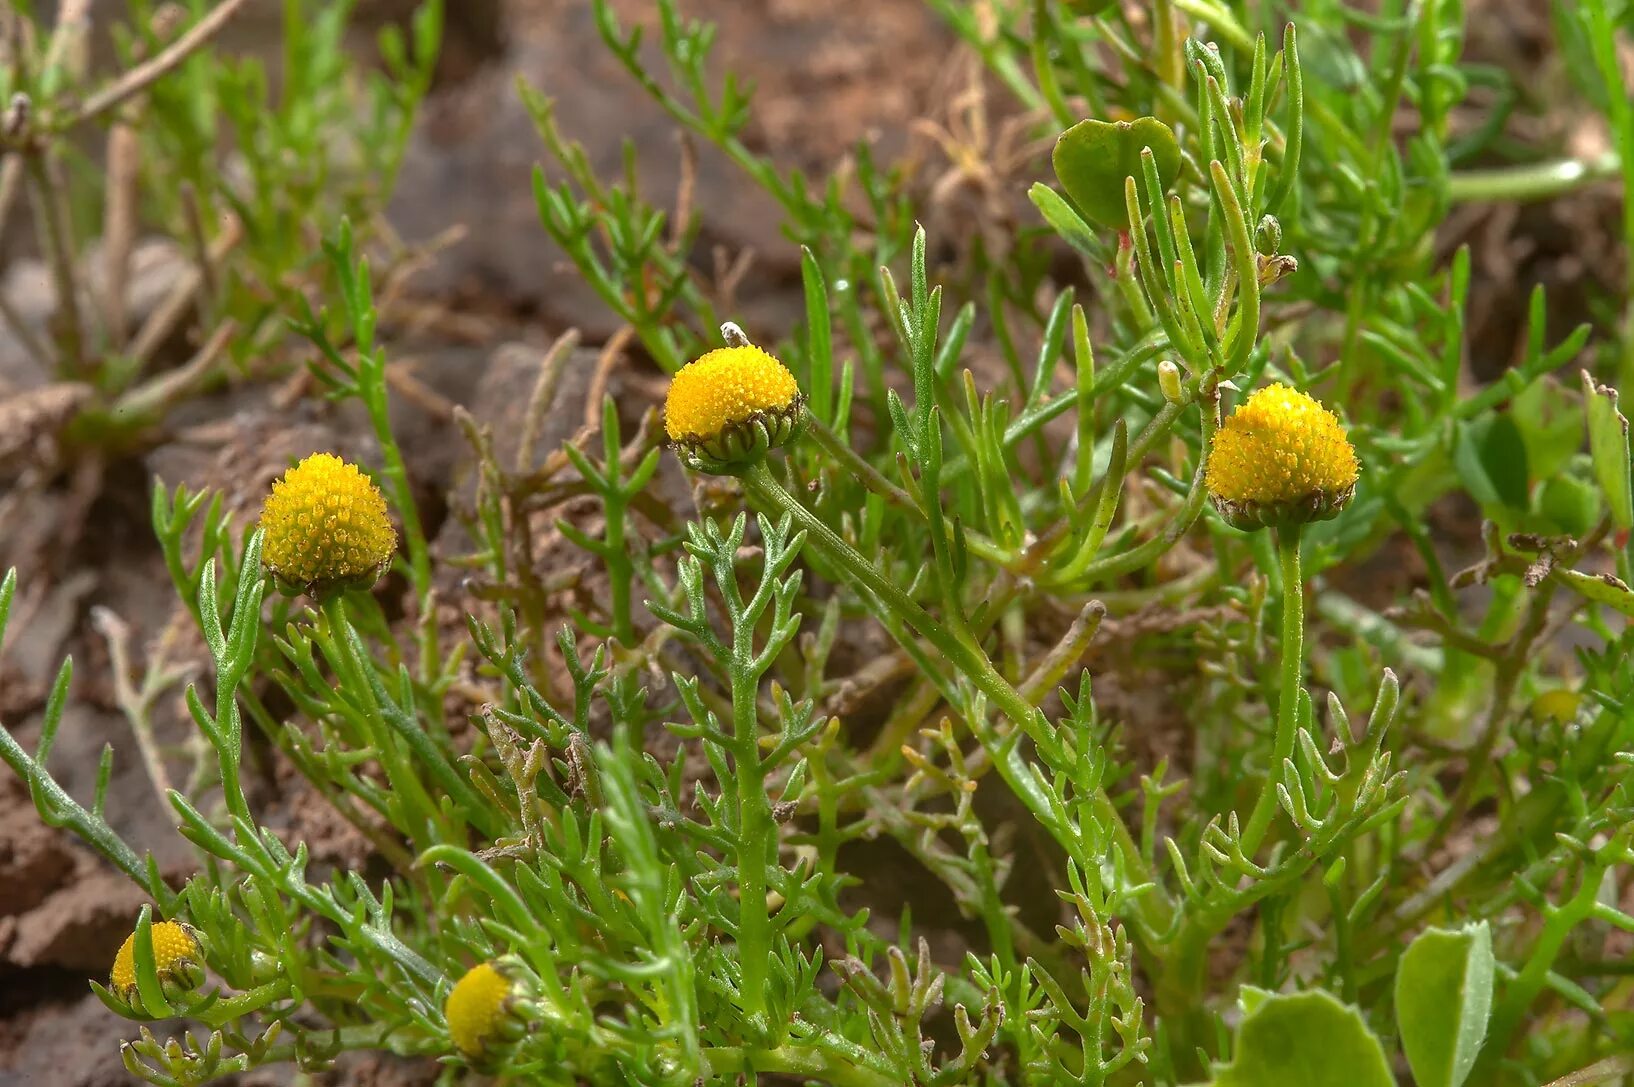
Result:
[[1326, 836]]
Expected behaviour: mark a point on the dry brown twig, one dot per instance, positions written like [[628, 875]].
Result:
[[40, 351], [1599, 1072], [137, 704], [544, 394], [401, 377], [170, 386], [610, 354], [53, 228], [685, 189], [146, 73], [119, 226], [11, 183], [73, 26], [164, 318], [31, 420]]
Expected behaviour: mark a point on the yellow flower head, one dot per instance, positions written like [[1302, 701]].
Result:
[[489, 1007], [326, 526], [730, 406], [1559, 706], [175, 958], [1281, 459]]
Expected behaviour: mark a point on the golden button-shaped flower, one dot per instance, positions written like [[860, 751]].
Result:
[[489, 1007], [326, 526], [1281, 459], [730, 406], [175, 959]]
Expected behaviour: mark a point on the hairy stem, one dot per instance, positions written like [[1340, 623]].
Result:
[[1293, 656], [757, 829]]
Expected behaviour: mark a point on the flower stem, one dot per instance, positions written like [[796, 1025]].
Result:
[[620, 568], [1293, 656], [756, 830], [1181, 983]]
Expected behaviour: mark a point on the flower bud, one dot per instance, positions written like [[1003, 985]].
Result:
[[326, 527], [1281, 459], [1268, 236], [490, 1007], [176, 959], [727, 408], [1168, 380]]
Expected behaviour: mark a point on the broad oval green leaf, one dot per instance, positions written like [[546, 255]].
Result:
[[1443, 999], [1092, 158], [1310, 1039]]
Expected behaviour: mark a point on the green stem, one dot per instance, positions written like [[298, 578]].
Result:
[[377, 401], [793, 1061], [1142, 555], [1293, 654], [1524, 989], [851, 460], [620, 570], [338, 1040], [976, 667], [1221, 21], [61, 810], [756, 829], [225, 1011], [873, 479], [1533, 181], [351, 672]]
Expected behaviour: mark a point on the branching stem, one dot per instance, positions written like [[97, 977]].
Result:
[[978, 669]]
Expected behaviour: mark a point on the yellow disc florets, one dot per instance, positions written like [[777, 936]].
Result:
[[326, 526], [488, 1007], [475, 1007], [175, 959], [1281, 459], [730, 406]]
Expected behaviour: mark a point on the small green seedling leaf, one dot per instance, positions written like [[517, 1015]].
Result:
[[1570, 503], [1490, 456], [1552, 424], [1309, 1038], [1062, 218], [1608, 444], [1443, 999], [1092, 158]]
